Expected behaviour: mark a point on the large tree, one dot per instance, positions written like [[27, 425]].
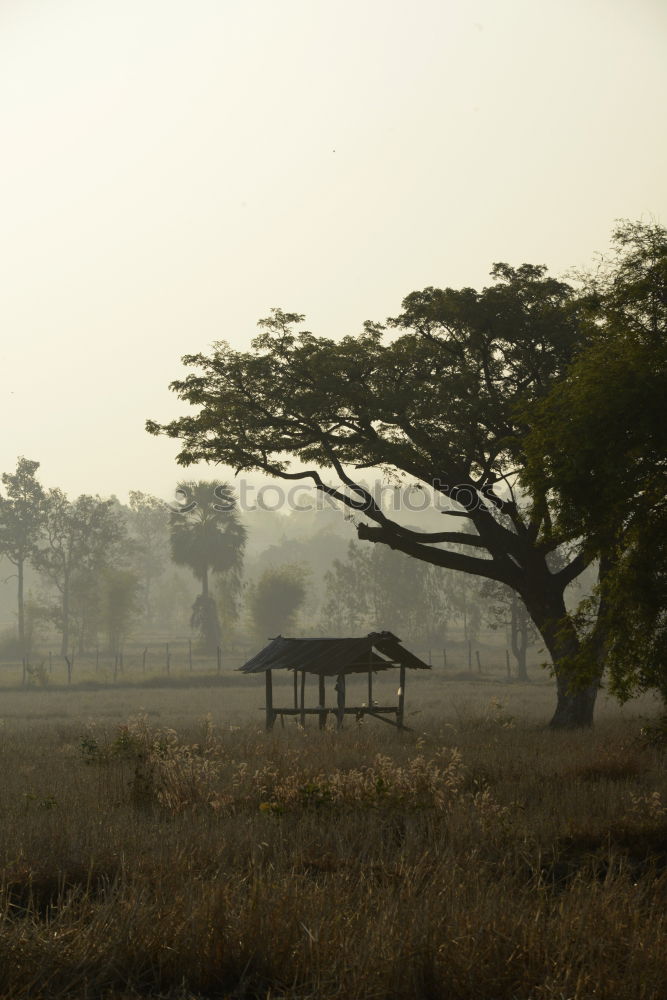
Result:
[[81, 538], [444, 400], [148, 522], [22, 512], [208, 537], [276, 599], [598, 448]]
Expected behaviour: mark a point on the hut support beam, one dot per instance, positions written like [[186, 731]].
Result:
[[401, 698], [323, 716], [303, 698], [340, 689], [270, 716]]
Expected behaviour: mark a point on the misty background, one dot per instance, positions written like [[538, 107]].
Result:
[[170, 173]]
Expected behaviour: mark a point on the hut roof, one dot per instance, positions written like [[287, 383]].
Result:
[[377, 651]]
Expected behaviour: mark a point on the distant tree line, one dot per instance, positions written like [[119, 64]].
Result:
[[102, 565], [101, 570]]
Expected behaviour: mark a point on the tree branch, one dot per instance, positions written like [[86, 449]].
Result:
[[488, 568], [574, 568]]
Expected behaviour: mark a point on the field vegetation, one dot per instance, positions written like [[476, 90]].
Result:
[[168, 853]]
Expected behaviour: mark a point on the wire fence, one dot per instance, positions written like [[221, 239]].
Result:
[[182, 658]]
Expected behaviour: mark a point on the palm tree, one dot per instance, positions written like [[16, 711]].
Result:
[[208, 537]]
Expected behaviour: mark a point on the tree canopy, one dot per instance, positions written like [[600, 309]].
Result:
[[598, 448], [207, 536], [22, 513]]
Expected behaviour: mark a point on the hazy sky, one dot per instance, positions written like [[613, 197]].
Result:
[[169, 171]]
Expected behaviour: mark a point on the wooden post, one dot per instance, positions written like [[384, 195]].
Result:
[[120, 662], [303, 698], [444, 658], [469, 654], [479, 665], [340, 689], [269, 700], [190, 654], [115, 667], [50, 663], [167, 658], [69, 668], [370, 688], [507, 660], [296, 690], [219, 659], [401, 698], [323, 718], [430, 660], [143, 659], [23, 672], [97, 659]]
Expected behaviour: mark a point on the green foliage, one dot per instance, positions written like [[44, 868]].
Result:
[[376, 588], [120, 603], [276, 600], [22, 512], [148, 524], [598, 448], [205, 621], [81, 539], [208, 537]]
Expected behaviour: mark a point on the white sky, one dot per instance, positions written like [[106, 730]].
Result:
[[169, 171]]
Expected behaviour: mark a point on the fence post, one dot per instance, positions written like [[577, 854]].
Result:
[[190, 654], [219, 654], [167, 658], [479, 665]]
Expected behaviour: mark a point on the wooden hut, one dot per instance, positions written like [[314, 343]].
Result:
[[334, 658]]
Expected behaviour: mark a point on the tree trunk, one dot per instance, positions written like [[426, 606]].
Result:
[[519, 634], [522, 672], [575, 699], [574, 708], [19, 566], [64, 646]]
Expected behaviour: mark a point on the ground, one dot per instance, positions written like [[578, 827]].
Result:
[[155, 841]]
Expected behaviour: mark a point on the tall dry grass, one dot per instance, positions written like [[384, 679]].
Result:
[[484, 859]]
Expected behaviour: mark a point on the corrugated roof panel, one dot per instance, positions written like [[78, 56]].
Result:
[[333, 656]]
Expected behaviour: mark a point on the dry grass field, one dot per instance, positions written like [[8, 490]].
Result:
[[156, 842]]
